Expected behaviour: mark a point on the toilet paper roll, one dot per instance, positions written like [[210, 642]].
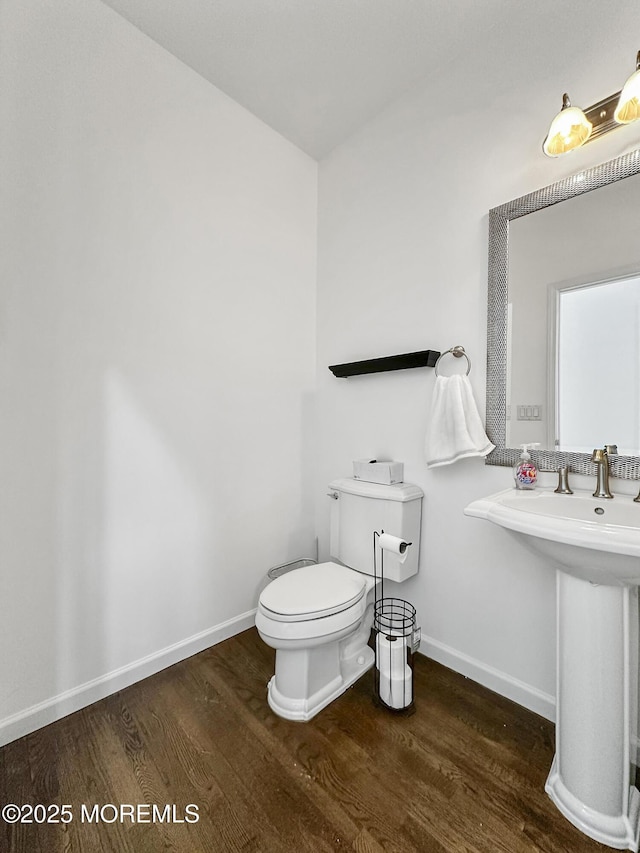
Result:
[[391, 655], [394, 546], [396, 691]]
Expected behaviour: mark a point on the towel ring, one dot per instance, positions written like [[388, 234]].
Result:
[[458, 352]]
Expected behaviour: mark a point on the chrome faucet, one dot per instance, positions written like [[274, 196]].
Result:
[[601, 458]]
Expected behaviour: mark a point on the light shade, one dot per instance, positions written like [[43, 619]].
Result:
[[628, 108], [569, 129]]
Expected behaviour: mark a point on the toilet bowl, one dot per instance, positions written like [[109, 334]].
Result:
[[318, 618]]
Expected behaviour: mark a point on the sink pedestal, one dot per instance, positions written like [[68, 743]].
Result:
[[591, 779]]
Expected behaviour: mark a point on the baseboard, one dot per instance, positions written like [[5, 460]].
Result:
[[85, 694], [506, 685]]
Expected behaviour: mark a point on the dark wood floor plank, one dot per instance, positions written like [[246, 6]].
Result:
[[187, 755], [102, 764], [464, 774], [45, 786], [132, 778], [17, 786], [67, 740], [5, 797]]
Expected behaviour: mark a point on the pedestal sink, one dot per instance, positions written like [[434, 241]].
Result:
[[594, 547]]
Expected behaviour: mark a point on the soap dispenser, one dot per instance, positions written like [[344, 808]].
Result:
[[525, 472]]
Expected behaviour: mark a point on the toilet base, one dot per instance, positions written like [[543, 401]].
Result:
[[350, 669]]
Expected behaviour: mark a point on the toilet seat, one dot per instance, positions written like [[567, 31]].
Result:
[[312, 592]]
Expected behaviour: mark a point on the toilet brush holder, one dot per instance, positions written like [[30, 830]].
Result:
[[396, 640]]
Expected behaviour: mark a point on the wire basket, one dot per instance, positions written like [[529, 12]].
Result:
[[396, 640]]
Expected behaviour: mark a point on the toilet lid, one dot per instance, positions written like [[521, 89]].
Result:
[[313, 592]]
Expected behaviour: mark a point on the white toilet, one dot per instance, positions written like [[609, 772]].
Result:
[[318, 618]]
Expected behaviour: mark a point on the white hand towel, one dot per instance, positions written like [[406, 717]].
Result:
[[456, 430]]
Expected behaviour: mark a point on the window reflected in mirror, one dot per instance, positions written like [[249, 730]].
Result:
[[597, 381]]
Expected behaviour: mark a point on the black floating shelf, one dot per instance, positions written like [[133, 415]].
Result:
[[424, 358]]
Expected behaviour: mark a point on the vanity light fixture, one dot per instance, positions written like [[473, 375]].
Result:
[[573, 127]]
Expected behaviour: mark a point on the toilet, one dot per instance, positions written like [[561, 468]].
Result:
[[318, 618]]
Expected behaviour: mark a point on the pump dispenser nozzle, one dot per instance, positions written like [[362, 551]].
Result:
[[525, 449]]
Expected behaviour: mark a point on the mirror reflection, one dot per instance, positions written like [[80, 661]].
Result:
[[563, 328], [573, 323]]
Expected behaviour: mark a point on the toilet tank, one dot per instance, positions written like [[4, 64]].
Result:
[[359, 509]]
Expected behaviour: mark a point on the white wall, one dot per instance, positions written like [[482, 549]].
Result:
[[157, 301], [402, 266]]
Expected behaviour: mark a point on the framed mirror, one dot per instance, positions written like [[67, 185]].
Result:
[[563, 326]]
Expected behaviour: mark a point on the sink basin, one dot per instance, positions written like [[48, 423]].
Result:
[[590, 538]]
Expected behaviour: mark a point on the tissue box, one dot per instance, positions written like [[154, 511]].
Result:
[[378, 471]]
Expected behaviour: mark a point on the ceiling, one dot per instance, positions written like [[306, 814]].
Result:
[[316, 70]]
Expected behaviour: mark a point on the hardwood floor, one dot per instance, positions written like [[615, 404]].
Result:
[[465, 773]]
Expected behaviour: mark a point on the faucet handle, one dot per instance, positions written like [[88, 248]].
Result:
[[563, 487], [607, 450]]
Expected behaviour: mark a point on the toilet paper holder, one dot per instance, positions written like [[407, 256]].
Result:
[[396, 635]]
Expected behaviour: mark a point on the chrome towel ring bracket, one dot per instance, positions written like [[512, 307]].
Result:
[[457, 352]]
